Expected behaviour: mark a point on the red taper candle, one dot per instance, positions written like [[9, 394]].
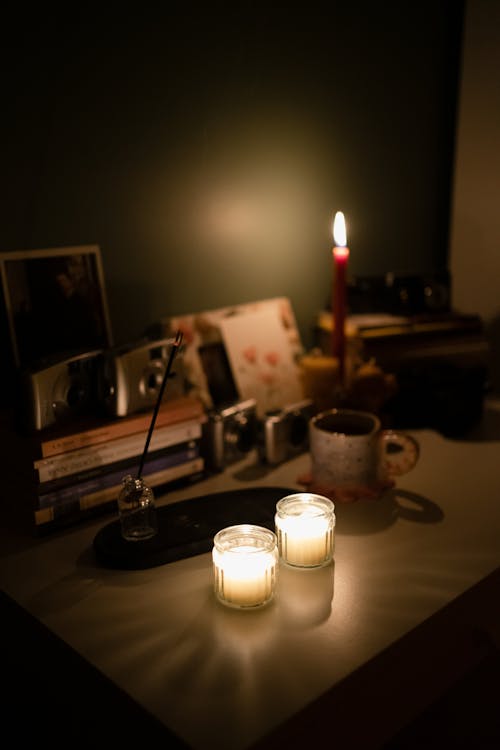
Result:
[[339, 292]]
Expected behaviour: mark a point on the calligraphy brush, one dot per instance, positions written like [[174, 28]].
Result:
[[173, 352]]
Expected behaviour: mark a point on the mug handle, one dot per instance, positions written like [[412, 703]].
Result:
[[400, 453]]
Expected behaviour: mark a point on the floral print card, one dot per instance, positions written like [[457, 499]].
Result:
[[206, 361], [262, 362]]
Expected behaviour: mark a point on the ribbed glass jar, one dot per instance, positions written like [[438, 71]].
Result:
[[305, 525], [245, 563]]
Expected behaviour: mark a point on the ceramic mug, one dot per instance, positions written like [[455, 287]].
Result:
[[350, 450]]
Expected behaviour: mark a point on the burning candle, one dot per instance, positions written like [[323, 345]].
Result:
[[305, 526], [245, 559], [340, 258]]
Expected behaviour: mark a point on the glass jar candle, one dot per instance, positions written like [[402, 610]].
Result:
[[305, 525], [245, 561]]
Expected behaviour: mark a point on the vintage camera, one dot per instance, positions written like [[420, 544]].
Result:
[[285, 433], [132, 375], [230, 433], [63, 390]]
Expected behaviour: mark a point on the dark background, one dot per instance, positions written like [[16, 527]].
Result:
[[207, 149]]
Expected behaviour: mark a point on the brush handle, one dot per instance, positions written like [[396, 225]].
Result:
[[173, 352]]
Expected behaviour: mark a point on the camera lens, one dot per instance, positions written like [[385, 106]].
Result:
[[151, 381], [76, 393], [298, 429], [246, 435]]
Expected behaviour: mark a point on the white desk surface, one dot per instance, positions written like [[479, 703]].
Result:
[[224, 678]]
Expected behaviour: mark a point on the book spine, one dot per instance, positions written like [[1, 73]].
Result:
[[124, 465], [115, 450], [156, 479], [186, 408], [114, 477], [76, 508]]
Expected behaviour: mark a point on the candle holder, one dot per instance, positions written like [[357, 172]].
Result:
[[305, 525], [245, 563], [320, 379]]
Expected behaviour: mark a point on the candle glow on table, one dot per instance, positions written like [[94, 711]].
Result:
[[340, 258], [245, 559], [305, 529]]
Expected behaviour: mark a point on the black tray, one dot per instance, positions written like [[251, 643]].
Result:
[[187, 528]]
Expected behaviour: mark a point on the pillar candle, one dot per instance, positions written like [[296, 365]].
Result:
[[339, 293]]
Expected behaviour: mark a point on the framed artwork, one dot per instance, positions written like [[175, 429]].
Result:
[[55, 304]]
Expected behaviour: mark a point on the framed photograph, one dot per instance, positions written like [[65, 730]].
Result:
[[55, 303]]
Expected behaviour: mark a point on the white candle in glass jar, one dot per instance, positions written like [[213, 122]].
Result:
[[305, 529], [245, 565]]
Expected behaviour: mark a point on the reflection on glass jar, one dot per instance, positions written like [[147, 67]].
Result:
[[306, 595], [245, 561], [136, 509], [305, 525]]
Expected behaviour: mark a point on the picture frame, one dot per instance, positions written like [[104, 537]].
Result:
[[55, 304]]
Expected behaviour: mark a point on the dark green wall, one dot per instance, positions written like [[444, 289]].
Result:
[[207, 150]]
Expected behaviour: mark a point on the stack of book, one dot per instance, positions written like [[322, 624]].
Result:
[[79, 472]]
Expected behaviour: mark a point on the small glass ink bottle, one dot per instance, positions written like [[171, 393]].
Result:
[[137, 510]]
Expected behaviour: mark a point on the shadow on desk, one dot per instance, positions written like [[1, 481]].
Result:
[[369, 516], [372, 516]]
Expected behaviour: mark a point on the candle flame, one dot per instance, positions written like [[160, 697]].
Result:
[[339, 231]]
